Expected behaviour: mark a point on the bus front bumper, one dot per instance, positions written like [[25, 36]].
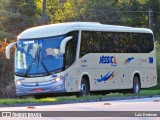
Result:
[[40, 88]]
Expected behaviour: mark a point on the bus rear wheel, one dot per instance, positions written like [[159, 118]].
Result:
[[136, 85], [84, 88]]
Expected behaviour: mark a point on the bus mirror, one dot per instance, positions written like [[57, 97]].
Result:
[[8, 49], [63, 44]]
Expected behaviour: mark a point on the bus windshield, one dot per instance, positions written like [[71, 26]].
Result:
[[37, 57]]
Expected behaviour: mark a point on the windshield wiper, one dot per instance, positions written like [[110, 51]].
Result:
[[44, 67], [37, 58], [29, 67]]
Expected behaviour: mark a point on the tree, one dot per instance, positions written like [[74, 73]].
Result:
[[63, 10], [24, 16], [103, 11], [155, 17], [3, 16]]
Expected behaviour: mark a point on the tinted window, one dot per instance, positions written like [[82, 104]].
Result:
[[96, 37], [115, 42], [71, 47], [147, 44], [87, 44], [107, 42], [69, 54]]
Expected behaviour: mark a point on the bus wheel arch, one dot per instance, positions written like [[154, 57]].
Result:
[[84, 86], [136, 83]]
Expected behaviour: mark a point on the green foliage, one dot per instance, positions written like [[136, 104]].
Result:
[[3, 4], [103, 11], [70, 10], [16, 16], [137, 19], [6, 36]]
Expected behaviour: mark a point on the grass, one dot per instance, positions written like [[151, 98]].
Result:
[[145, 92], [28, 100]]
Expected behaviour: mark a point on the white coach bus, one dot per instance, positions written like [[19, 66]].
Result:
[[81, 57]]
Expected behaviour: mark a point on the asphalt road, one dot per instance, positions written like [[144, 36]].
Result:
[[139, 109]]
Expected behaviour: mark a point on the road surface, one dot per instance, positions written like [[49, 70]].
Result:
[[139, 107]]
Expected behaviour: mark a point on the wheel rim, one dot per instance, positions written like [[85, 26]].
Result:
[[136, 88], [83, 89]]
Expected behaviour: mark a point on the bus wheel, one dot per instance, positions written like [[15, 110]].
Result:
[[84, 90], [136, 85]]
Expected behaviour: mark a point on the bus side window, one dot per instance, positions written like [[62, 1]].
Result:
[[147, 44], [69, 54], [86, 43], [74, 40]]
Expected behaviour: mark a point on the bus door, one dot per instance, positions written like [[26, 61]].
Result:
[[71, 83]]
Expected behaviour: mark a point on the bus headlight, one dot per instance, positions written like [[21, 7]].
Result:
[[18, 82], [57, 79]]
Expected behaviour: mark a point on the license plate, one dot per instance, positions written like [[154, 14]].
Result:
[[38, 90]]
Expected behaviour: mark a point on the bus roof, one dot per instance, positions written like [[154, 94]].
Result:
[[63, 28]]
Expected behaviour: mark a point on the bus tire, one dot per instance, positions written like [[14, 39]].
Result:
[[84, 88], [136, 85]]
